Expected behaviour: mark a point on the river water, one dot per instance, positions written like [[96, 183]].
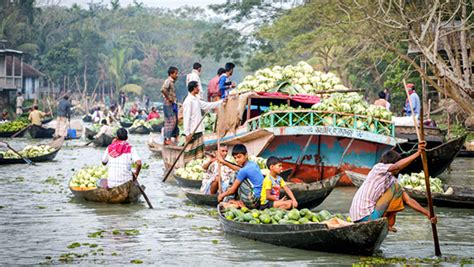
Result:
[[39, 219]]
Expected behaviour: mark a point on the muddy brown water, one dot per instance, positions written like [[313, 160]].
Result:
[[39, 219]]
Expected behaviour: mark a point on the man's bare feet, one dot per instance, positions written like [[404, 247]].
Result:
[[392, 229]]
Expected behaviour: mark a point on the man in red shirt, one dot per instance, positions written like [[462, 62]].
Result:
[[213, 93], [153, 114]]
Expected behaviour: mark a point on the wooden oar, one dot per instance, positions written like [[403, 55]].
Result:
[[219, 181], [143, 194], [27, 160], [22, 130], [424, 160], [168, 172]]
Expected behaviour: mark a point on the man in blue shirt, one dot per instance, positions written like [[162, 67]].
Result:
[[225, 84], [248, 180], [415, 101]]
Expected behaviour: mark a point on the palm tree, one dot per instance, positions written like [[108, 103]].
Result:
[[120, 67]]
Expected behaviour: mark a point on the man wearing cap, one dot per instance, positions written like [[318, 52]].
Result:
[[415, 101]]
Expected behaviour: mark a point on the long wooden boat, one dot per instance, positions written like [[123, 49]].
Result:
[[47, 120], [56, 144], [126, 193], [188, 183], [331, 147], [155, 144], [463, 153], [139, 130], [90, 133], [199, 198], [10, 134], [87, 118], [461, 197], [36, 131], [439, 157], [103, 140], [126, 124], [156, 128], [358, 239]]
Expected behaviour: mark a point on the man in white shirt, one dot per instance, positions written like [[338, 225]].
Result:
[[104, 129], [195, 76], [119, 157], [192, 119]]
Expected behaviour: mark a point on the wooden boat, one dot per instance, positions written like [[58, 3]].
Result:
[[463, 153], [47, 120], [316, 149], [462, 197], [103, 140], [36, 131], [87, 118], [155, 144], [126, 124], [48, 157], [156, 128], [439, 157], [90, 133], [188, 183], [10, 134], [359, 238], [199, 198], [126, 193], [139, 130]]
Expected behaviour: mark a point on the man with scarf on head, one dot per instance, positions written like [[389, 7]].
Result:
[[119, 157], [415, 101]]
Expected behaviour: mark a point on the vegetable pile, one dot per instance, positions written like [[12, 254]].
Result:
[[192, 171], [138, 123], [279, 216], [13, 126], [209, 122], [127, 119], [156, 121], [28, 152], [299, 79], [86, 178], [416, 181]]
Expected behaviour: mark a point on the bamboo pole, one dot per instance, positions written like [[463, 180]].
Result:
[[421, 138]]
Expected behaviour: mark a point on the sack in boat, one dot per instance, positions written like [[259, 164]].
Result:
[[247, 195], [230, 114]]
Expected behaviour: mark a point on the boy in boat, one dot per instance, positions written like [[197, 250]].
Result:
[[119, 156], [210, 183], [381, 196], [104, 129], [248, 180], [272, 185]]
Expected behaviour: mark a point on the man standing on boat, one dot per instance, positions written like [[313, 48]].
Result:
[[415, 101], [381, 196], [192, 119], [170, 107], [225, 84], [119, 157], [64, 114], [195, 76], [19, 104]]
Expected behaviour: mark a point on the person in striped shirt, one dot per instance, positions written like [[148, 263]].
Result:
[[381, 196]]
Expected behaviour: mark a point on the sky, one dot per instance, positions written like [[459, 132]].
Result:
[[149, 3]]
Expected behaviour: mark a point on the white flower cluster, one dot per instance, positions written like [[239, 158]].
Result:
[[299, 79]]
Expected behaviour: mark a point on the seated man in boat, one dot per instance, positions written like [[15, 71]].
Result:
[[153, 114], [271, 187], [36, 116], [104, 129], [248, 180], [210, 183], [381, 196], [119, 156]]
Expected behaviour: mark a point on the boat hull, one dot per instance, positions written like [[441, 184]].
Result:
[[10, 134], [47, 157], [126, 193], [103, 140], [40, 132], [139, 130]]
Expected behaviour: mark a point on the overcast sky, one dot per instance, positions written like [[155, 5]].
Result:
[[150, 3]]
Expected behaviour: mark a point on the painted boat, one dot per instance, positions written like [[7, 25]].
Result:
[[358, 239], [10, 134], [36, 131], [126, 124], [462, 197], [126, 193], [331, 147], [103, 140], [199, 198], [140, 130], [156, 128], [188, 183], [439, 157]]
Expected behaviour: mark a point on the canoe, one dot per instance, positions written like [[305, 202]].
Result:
[[87, 118], [140, 130], [126, 193], [188, 183], [200, 198], [103, 140], [462, 197], [43, 158], [47, 120], [90, 133], [465, 154], [310, 195], [10, 134], [155, 148], [126, 124], [156, 128], [439, 157], [358, 239], [36, 131]]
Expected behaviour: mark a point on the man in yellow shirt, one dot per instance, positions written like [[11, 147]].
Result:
[[36, 116], [272, 184]]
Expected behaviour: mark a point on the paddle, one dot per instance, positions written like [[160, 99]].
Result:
[[16, 152], [22, 130], [143, 194], [421, 138], [168, 172]]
